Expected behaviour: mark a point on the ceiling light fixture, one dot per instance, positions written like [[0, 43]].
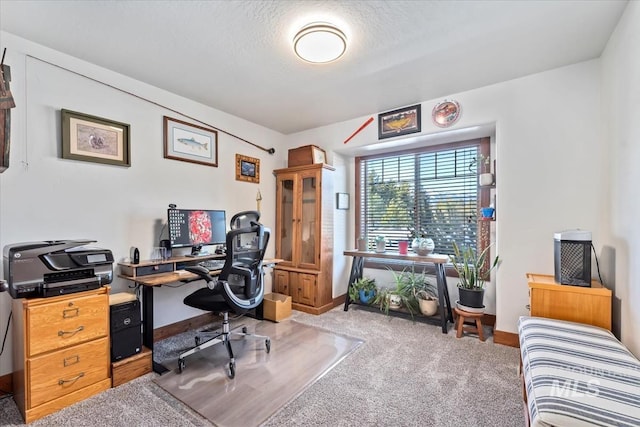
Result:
[[319, 42]]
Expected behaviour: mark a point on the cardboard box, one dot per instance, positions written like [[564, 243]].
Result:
[[276, 307], [306, 155]]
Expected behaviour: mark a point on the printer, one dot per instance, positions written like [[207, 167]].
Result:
[[55, 267]]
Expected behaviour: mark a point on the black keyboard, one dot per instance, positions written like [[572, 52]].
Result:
[[212, 264]]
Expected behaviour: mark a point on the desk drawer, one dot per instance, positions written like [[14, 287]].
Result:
[[65, 323], [64, 371]]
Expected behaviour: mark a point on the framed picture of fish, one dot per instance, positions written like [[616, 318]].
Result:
[[190, 143], [399, 122], [95, 139], [247, 169]]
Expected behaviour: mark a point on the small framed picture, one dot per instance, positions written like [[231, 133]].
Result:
[[190, 143], [399, 122], [95, 139], [247, 169], [342, 201]]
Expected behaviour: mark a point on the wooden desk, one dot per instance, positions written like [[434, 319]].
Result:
[[357, 267], [137, 273]]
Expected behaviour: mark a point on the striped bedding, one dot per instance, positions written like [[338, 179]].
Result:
[[577, 375]]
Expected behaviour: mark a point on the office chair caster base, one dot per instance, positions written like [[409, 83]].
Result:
[[232, 370], [244, 329], [267, 344], [180, 365], [197, 340]]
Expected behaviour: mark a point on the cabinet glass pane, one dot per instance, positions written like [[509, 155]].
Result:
[[286, 230], [308, 221]]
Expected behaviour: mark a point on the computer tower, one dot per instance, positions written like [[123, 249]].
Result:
[[572, 258], [126, 330]]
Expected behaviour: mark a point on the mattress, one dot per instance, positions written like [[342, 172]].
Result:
[[577, 375]]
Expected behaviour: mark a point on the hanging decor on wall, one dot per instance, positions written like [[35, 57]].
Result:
[[190, 143], [446, 113], [247, 169], [399, 122], [94, 139], [6, 104]]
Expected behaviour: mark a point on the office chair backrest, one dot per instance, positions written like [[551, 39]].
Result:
[[245, 252], [244, 219]]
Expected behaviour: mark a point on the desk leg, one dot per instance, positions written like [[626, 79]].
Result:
[[443, 297], [147, 323], [357, 266]]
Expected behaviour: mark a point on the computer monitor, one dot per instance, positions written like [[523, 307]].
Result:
[[196, 228]]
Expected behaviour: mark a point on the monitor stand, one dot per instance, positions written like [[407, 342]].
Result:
[[196, 251]]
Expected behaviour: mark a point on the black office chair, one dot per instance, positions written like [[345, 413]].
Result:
[[239, 287]]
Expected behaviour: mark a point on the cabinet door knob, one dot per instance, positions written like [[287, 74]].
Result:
[[528, 307]]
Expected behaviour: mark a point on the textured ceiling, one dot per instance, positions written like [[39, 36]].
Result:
[[236, 56]]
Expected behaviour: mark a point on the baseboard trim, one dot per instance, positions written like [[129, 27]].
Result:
[[6, 384], [506, 338], [183, 326]]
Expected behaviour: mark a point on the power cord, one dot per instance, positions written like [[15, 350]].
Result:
[[597, 264]]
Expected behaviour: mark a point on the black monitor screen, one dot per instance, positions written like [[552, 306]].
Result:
[[191, 227]]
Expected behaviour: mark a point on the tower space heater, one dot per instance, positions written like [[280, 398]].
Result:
[[572, 257]]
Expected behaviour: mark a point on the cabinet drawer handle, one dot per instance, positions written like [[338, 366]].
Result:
[[74, 379], [80, 328], [70, 312], [71, 360]]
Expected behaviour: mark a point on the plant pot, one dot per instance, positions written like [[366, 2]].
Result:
[[380, 246], [428, 307], [423, 246], [366, 296], [395, 301], [362, 245], [485, 179], [487, 212], [471, 297]]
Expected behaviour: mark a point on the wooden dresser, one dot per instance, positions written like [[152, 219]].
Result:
[[565, 302], [60, 351]]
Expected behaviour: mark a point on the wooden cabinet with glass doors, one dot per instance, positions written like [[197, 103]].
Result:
[[304, 236]]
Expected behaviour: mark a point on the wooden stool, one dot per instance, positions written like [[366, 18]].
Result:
[[462, 316]]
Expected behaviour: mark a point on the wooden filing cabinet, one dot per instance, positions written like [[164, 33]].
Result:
[[565, 302], [60, 351]]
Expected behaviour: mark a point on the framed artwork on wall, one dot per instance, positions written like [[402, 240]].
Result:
[[342, 201], [190, 143], [399, 122], [247, 169], [95, 139]]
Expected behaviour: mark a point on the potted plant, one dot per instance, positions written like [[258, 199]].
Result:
[[363, 290], [381, 242], [401, 296], [485, 177], [472, 274], [362, 244], [420, 243]]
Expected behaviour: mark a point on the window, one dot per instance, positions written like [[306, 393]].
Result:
[[434, 189]]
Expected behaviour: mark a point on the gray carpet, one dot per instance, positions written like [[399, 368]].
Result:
[[405, 374]]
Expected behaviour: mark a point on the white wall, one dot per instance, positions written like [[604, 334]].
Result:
[[621, 228], [548, 145], [45, 197]]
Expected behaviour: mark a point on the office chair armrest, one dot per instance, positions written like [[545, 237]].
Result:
[[202, 272]]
